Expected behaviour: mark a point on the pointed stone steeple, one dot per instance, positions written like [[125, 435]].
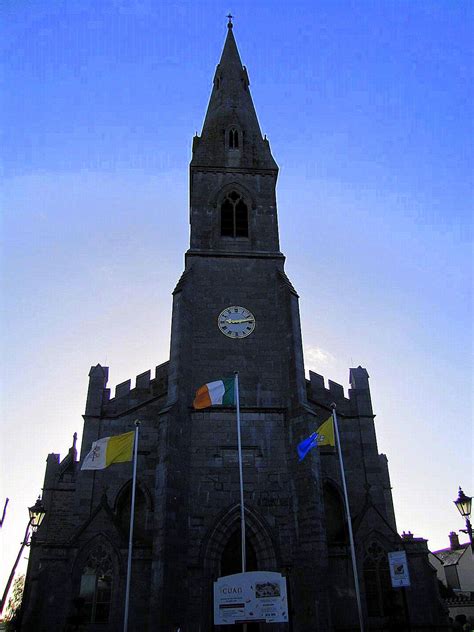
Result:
[[232, 174], [231, 135]]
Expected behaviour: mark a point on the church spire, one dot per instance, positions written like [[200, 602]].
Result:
[[231, 135], [233, 174]]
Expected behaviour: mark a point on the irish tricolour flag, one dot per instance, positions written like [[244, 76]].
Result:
[[219, 393], [108, 450]]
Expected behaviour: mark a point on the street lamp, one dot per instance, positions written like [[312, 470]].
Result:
[[36, 513], [463, 504]]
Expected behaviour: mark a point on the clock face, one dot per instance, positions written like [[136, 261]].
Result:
[[236, 322]]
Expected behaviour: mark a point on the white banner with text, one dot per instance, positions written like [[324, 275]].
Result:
[[254, 596]]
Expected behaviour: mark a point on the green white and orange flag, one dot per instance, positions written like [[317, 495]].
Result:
[[108, 450], [218, 393]]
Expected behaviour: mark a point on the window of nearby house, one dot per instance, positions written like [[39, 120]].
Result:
[[96, 586], [234, 216], [452, 576]]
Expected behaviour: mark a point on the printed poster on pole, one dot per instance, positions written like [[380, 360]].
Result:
[[258, 596], [399, 575]]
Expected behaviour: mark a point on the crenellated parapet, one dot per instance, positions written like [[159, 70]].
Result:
[[99, 402], [320, 394], [357, 403]]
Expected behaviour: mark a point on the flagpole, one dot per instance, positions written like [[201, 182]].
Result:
[[349, 521], [242, 508], [130, 538]]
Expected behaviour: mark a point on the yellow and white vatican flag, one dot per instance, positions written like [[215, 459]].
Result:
[[118, 449], [108, 450]]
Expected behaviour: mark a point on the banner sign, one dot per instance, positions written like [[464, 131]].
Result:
[[399, 575], [246, 597]]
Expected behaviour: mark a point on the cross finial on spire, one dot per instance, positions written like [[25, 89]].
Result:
[[229, 23]]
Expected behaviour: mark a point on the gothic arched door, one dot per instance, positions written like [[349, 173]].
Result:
[[231, 562]]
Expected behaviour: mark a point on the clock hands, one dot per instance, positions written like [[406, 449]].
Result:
[[236, 322], [239, 321]]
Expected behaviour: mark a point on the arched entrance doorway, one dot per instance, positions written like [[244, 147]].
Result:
[[222, 553], [231, 562]]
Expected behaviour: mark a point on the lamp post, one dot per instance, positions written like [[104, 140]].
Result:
[[37, 513], [463, 504]]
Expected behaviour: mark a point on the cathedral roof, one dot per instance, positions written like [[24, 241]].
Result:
[[231, 107]]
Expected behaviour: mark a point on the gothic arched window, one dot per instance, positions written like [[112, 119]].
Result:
[[140, 514], [382, 600], [233, 138], [234, 216], [96, 586], [336, 532]]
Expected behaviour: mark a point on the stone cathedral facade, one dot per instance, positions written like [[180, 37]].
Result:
[[187, 529]]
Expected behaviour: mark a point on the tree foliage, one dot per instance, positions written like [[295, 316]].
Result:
[[12, 614]]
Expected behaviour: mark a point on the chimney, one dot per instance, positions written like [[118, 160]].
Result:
[[453, 541]]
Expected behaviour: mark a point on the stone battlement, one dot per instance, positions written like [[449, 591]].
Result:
[[146, 388], [358, 401]]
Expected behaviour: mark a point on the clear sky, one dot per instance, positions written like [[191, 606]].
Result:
[[368, 109]]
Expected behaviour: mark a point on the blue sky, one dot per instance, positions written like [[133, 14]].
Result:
[[368, 109]]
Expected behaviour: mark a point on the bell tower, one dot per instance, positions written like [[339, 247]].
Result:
[[233, 174], [234, 268], [234, 259]]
